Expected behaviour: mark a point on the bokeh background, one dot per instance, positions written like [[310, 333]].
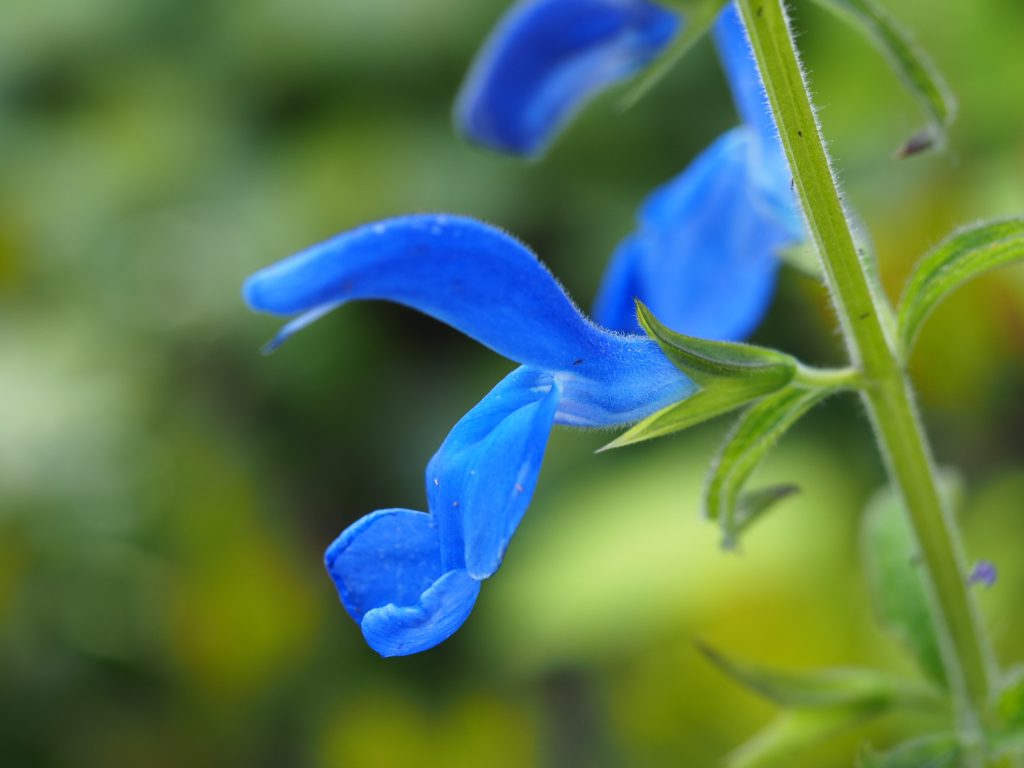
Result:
[[166, 492]]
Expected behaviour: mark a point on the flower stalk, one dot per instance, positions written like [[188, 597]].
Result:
[[884, 384]]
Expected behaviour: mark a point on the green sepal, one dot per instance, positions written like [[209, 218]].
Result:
[[715, 399], [729, 375], [699, 16], [755, 434], [827, 688], [965, 254], [936, 751], [704, 360], [895, 583], [910, 63]]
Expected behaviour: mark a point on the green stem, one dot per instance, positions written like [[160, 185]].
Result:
[[885, 387], [828, 378]]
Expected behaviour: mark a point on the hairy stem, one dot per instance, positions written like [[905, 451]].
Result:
[[884, 384]]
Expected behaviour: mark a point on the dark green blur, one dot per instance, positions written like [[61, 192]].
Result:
[[166, 493]]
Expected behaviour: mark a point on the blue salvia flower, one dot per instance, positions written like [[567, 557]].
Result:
[[411, 578], [547, 58], [704, 257], [705, 254]]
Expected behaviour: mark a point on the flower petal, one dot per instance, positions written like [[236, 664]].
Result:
[[464, 273], [705, 250], [390, 556], [481, 479], [547, 58], [400, 630], [492, 288], [748, 92], [387, 568], [615, 305]]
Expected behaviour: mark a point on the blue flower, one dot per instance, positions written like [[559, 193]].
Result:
[[983, 572], [547, 58], [704, 256], [411, 578]]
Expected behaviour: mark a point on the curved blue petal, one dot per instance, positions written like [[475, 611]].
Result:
[[481, 479], [705, 249], [547, 58], [400, 630], [615, 304], [737, 59], [465, 273], [770, 167], [492, 288], [390, 556], [704, 255], [387, 569]]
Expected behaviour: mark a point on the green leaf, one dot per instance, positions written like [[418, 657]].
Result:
[[936, 751], [1009, 740], [1010, 704], [756, 432], [793, 731], [866, 688], [699, 16], [817, 704], [704, 360], [729, 375], [751, 505], [909, 62], [962, 256], [895, 583]]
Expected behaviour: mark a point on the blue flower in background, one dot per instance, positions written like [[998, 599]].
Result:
[[411, 578], [705, 254], [983, 572], [704, 257], [547, 58]]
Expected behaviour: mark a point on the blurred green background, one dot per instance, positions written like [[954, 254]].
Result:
[[166, 493]]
